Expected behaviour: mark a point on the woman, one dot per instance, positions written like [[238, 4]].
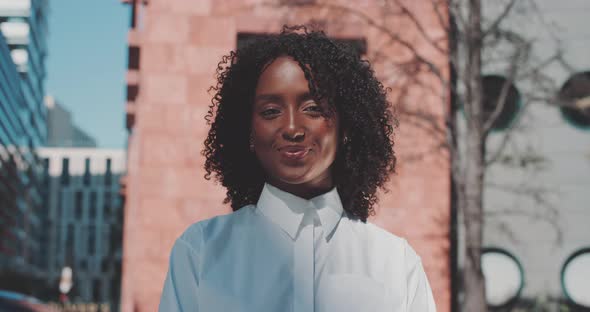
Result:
[[301, 138]]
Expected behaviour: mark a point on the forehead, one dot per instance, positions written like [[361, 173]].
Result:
[[282, 75]]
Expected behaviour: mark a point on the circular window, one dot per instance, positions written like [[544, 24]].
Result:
[[504, 277], [575, 275], [492, 90], [574, 99]]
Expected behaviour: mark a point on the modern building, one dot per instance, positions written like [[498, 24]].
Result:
[[61, 130], [24, 25], [21, 207], [85, 221], [536, 197], [174, 49]]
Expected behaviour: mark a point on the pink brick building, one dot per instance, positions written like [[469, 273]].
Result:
[[174, 47]]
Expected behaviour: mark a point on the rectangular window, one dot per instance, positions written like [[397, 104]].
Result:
[[133, 61], [358, 45], [78, 201], [86, 178], [65, 171], [104, 265], [91, 240], [92, 204], [83, 265], [132, 92], [46, 176], [107, 205], [70, 239], [108, 177], [96, 291]]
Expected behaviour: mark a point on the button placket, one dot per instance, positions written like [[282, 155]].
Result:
[[304, 266]]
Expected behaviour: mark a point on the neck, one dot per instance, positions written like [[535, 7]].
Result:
[[305, 190]]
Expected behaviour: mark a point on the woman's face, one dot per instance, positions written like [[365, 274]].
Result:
[[294, 141]]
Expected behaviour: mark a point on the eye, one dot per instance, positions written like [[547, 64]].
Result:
[[269, 112], [314, 109]]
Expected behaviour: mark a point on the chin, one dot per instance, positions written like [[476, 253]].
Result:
[[293, 176]]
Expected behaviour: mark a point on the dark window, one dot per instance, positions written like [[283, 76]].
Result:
[[57, 245], [70, 241], [133, 18], [574, 98], [78, 201], [104, 265], [83, 265], [59, 204], [96, 291], [46, 175], [65, 171], [357, 45], [107, 205], [86, 178], [133, 57], [492, 90], [92, 204], [91, 240], [108, 177], [132, 91]]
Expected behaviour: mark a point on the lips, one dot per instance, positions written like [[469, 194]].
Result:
[[294, 152]]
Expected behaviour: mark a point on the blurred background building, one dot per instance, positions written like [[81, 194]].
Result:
[[85, 220], [61, 130], [536, 193], [23, 27]]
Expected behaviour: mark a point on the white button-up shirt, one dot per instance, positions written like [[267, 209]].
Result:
[[292, 254]]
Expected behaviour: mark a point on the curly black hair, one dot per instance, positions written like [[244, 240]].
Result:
[[336, 74]]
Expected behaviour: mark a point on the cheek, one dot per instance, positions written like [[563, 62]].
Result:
[[262, 132], [329, 138]]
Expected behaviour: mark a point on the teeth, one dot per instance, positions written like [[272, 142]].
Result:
[[296, 154]]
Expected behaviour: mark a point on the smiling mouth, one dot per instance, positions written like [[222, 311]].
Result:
[[294, 152]]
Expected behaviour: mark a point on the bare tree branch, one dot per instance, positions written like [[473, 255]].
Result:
[[493, 158], [496, 23], [410, 15], [433, 68], [443, 22], [501, 101]]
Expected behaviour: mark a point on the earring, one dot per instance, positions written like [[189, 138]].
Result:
[[345, 140], [251, 143]]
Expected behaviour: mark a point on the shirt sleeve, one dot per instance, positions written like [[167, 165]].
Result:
[[419, 294], [182, 280]]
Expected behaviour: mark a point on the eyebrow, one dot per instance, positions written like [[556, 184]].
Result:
[[267, 97], [277, 98], [305, 97]]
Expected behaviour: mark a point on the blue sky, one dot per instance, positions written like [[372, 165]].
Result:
[[86, 65]]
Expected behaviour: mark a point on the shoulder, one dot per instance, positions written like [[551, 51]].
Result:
[[199, 232], [373, 233], [385, 241]]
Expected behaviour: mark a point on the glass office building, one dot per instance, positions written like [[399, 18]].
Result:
[[23, 49]]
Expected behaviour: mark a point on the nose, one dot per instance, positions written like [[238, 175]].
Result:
[[293, 130]]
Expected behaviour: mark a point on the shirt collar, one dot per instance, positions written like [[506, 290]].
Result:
[[287, 210]]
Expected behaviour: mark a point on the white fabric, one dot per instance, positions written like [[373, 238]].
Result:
[[291, 254]]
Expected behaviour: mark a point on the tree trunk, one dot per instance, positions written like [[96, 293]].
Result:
[[472, 200]]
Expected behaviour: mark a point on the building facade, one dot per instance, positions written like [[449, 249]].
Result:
[[174, 48], [21, 233], [85, 221], [24, 25], [536, 193]]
